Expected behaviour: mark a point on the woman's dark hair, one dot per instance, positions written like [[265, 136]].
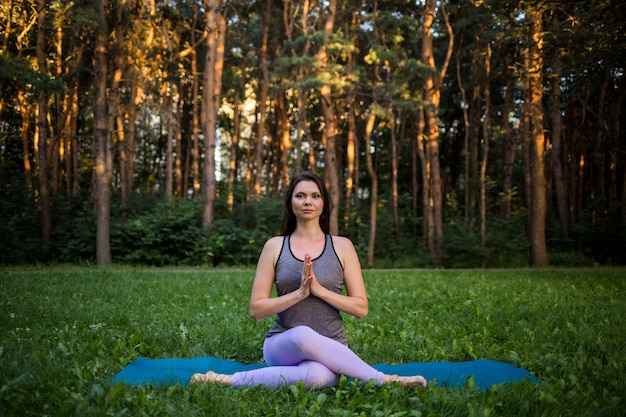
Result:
[[289, 218]]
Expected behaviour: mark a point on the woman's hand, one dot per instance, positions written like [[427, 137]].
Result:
[[307, 272], [314, 285]]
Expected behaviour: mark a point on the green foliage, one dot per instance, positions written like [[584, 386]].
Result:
[[19, 226], [68, 331], [506, 245], [170, 233]]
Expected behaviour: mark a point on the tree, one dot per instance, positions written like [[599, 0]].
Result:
[[430, 154], [536, 139], [557, 132], [103, 158], [330, 128], [42, 130], [212, 83]]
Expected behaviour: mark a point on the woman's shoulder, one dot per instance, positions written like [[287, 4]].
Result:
[[274, 242], [342, 243], [271, 249]]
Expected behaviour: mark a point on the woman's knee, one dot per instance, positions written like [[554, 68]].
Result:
[[304, 338], [318, 376]]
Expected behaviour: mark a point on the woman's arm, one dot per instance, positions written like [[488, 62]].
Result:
[[355, 301], [261, 303]]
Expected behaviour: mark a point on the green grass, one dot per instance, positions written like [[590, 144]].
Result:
[[67, 332]]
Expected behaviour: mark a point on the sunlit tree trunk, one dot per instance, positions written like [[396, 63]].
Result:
[[509, 146], [301, 93], [234, 151], [262, 97], [466, 136], [371, 170], [557, 133], [195, 106], [394, 174], [168, 116], [432, 97], [42, 132], [485, 154], [351, 161], [212, 81], [536, 149], [428, 233], [74, 116], [284, 134], [25, 114], [127, 146], [102, 144], [330, 128], [179, 189]]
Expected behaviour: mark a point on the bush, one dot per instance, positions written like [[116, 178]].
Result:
[[168, 234]]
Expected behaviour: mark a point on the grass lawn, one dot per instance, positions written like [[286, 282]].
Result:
[[66, 332]]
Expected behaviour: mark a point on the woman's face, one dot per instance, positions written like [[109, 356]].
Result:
[[307, 201]]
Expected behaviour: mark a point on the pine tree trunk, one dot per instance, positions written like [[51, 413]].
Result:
[[537, 208], [262, 95], [485, 155], [21, 99], [284, 133], [371, 170], [42, 131], [212, 80], [432, 97], [102, 144], [557, 133], [509, 147], [330, 128]]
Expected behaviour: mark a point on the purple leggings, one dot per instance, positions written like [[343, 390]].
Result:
[[302, 354]]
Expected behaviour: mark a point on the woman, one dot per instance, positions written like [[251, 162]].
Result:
[[309, 267]]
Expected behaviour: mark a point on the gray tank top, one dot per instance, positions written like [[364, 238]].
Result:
[[312, 311]]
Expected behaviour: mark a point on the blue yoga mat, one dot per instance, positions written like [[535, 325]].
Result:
[[445, 374]]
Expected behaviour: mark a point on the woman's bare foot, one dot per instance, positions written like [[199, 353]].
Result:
[[407, 381], [210, 377]]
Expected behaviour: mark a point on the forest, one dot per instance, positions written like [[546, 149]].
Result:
[[476, 133]]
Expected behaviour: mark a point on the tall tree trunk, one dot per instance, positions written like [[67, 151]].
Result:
[[179, 189], [395, 156], [415, 181], [350, 162], [428, 232], [371, 170], [485, 156], [330, 128], [168, 116], [234, 151], [262, 101], [23, 104], [301, 93], [537, 208], [432, 96], [212, 81], [42, 132], [466, 136], [557, 133], [102, 144], [237, 105], [127, 146], [195, 136], [509, 146], [284, 134], [74, 141]]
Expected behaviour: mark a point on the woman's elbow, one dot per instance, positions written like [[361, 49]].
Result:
[[254, 314], [361, 313]]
